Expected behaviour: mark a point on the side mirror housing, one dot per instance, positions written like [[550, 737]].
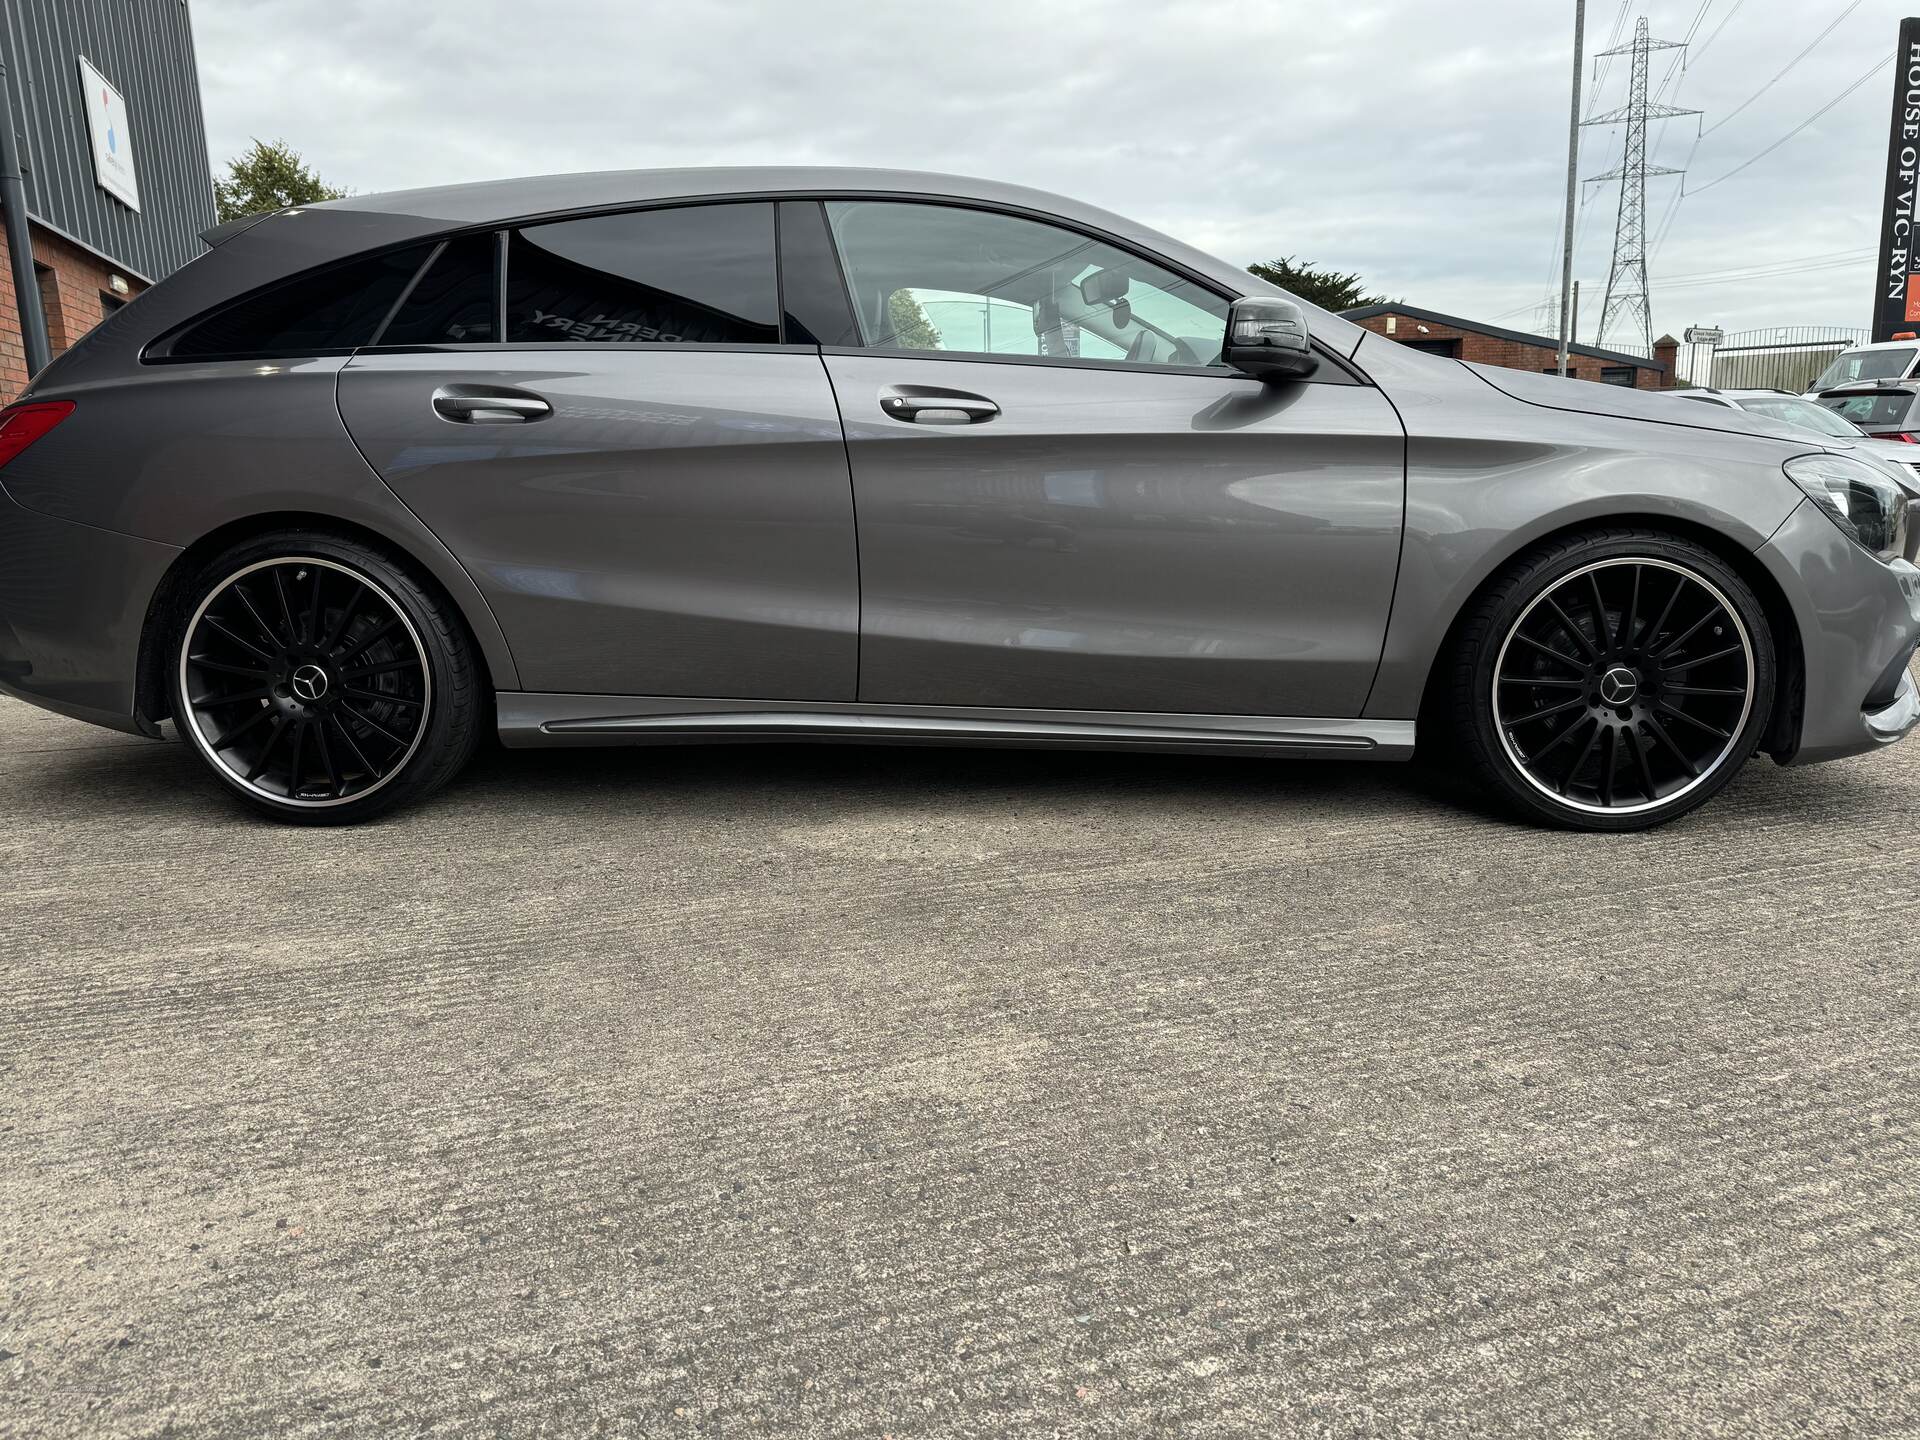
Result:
[[1267, 339]]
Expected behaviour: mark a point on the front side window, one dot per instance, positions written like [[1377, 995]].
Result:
[[698, 274], [330, 310], [944, 278]]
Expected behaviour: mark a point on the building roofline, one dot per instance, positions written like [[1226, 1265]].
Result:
[[1521, 337]]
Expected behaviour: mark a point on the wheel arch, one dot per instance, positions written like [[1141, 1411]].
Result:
[[447, 579], [1780, 738]]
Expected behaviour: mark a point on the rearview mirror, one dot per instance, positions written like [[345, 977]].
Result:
[[1267, 339]]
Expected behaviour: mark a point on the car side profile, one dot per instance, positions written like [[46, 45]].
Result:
[[812, 454]]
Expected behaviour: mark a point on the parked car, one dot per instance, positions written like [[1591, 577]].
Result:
[[664, 456], [1884, 360], [1831, 421], [1885, 409]]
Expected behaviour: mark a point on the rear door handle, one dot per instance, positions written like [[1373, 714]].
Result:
[[488, 405], [928, 405]]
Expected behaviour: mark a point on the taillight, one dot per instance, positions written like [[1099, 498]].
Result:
[[1907, 436], [21, 425]]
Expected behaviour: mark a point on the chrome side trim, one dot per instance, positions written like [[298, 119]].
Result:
[[528, 719]]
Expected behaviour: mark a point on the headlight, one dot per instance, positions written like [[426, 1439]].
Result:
[[1863, 500]]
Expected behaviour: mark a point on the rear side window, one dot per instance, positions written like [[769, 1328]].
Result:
[[1872, 412], [695, 274], [330, 310], [454, 302]]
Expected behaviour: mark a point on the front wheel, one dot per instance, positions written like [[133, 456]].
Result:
[[1613, 680], [320, 681]]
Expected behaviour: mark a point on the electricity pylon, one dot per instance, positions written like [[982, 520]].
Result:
[[1627, 279]]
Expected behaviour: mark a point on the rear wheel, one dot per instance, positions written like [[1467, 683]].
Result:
[[320, 681], [1614, 680]]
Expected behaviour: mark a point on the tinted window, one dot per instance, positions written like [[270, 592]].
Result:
[[454, 301], [939, 277], [703, 273], [1886, 411], [335, 309]]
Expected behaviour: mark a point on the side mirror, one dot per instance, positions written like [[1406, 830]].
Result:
[[1267, 339]]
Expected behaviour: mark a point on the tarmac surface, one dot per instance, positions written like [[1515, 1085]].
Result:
[[860, 1092]]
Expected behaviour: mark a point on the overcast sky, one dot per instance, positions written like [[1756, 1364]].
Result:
[[1420, 142]]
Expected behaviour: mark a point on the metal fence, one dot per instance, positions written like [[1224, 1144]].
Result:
[[1785, 357]]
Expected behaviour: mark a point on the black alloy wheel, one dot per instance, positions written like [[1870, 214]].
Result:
[[1624, 688], [307, 680]]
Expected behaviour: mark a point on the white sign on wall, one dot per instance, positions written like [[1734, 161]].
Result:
[[112, 142]]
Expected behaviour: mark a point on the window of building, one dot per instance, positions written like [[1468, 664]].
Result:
[[1619, 375], [325, 311], [1449, 348], [454, 301], [945, 278], [691, 274]]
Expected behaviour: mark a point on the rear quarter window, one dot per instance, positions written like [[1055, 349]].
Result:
[[335, 309]]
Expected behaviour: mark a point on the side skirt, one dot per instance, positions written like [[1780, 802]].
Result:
[[528, 719]]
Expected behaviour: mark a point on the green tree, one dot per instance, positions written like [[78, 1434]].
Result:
[[911, 328], [267, 178], [1329, 289]]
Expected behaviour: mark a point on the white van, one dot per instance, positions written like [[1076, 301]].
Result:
[[1888, 360]]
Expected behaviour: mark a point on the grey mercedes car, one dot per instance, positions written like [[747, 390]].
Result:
[[703, 455]]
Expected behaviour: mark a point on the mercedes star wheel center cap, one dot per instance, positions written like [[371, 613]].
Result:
[[1618, 686], [310, 683]]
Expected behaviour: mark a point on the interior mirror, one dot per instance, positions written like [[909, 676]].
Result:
[[1267, 339], [1103, 287]]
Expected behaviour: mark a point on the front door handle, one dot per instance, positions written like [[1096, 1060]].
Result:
[[929, 405], [488, 405]]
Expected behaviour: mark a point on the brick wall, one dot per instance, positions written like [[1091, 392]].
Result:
[[1483, 349], [72, 287]]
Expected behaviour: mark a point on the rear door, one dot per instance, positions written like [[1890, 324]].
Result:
[[599, 417], [1065, 502]]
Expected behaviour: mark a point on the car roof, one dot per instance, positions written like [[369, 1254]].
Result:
[[501, 202]]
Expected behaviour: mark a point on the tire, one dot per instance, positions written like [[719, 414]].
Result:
[[320, 680], [1618, 729]]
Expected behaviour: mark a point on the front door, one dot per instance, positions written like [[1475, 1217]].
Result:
[[1065, 502], [650, 490]]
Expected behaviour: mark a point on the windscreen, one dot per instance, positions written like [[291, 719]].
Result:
[[1865, 365], [1805, 414]]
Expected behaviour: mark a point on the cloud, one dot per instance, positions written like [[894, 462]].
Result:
[[1420, 142]]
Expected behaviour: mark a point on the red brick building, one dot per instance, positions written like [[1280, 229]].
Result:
[[78, 290], [1516, 349]]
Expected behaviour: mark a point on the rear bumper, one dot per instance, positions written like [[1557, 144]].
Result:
[[1859, 623], [73, 602]]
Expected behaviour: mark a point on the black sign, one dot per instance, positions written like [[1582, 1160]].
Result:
[[1896, 281]]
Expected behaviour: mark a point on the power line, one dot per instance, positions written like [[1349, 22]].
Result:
[[1784, 72], [1717, 29], [1826, 256], [1878, 66]]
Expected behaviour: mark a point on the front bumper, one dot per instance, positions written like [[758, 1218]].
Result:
[[1859, 623], [73, 602]]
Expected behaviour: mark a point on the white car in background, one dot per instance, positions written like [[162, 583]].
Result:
[[1804, 414]]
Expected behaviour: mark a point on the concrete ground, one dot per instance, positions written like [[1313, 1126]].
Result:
[[815, 1092]]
